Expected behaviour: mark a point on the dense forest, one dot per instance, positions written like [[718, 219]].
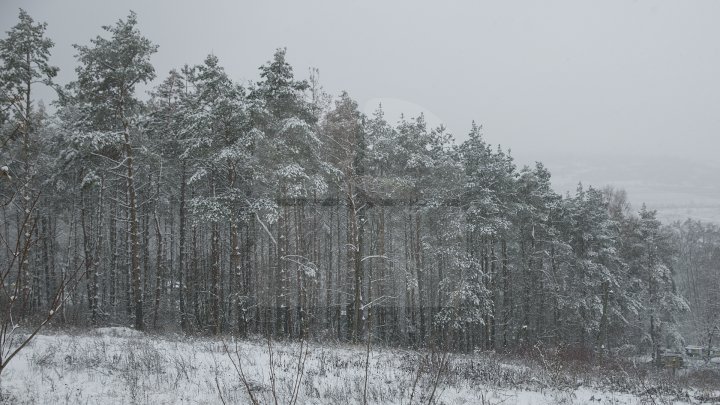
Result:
[[270, 207]]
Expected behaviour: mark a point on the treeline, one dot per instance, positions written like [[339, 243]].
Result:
[[270, 208]]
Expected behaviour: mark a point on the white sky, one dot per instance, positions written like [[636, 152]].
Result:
[[548, 79]]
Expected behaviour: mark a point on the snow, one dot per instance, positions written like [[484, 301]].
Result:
[[118, 331], [120, 365]]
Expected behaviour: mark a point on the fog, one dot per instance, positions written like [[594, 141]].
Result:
[[569, 83]]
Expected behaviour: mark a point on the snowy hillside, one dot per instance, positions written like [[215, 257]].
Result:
[[122, 366], [359, 255]]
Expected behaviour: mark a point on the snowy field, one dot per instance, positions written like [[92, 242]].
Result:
[[122, 366]]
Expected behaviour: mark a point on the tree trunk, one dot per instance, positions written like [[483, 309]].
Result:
[[507, 294], [158, 268], [356, 260], [134, 236], [88, 260], [182, 291], [420, 278], [602, 333], [215, 278]]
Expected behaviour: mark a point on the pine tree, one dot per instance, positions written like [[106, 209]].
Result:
[[109, 71], [25, 54], [650, 264], [345, 139], [289, 150], [695, 265], [221, 144]]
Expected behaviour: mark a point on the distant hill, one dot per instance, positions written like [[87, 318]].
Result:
[[678, 188]]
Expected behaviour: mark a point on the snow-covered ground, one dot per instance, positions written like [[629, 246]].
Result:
[[122, 366]]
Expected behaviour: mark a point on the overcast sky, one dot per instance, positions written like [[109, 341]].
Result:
[[548, 79]]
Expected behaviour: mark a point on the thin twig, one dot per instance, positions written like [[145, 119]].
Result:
[[272, 370], [240, 372]]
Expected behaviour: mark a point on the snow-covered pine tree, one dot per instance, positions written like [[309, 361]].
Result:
[[24, 63], [488, 206], [109, 71], [649, 259], [293, 173], [344, 135], [695, 265]]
